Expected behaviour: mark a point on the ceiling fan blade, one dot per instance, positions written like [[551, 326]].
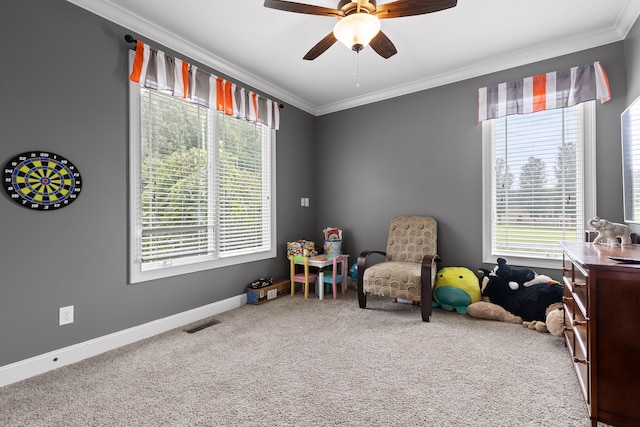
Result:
[[402, 8], [308, 9], [383, 46], [321, 47]]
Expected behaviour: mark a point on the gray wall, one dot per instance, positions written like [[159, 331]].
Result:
[[64, 90], [421, 154]]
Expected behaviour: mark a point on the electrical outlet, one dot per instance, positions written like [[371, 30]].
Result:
[[65, 315]]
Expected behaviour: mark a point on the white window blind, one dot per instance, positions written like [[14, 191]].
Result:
[[175, 193], [537, 183], [202, 187], [630, 120], [243, 190]]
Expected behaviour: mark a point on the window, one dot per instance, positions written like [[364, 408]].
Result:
[[539, 184], [201, 187]]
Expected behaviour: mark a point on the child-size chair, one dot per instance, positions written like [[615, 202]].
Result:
[[334, 278], [304, 278]]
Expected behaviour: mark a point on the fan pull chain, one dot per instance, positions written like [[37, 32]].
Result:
[[353, 62], [356, 67]]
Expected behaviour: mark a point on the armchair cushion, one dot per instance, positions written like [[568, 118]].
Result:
[[394, 279]]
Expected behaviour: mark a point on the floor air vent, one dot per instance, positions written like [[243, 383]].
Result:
[[202, 326]]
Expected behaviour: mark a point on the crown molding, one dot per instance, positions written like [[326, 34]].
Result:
[[627, 18], [147, 29], [495, 64]]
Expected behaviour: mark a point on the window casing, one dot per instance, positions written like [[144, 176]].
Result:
[[202, 187], [538, 184]]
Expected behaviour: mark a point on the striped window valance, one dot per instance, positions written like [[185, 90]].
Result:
[[155, 70], [557, 89]]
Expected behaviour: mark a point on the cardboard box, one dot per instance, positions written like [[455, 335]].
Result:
[[262, 295]]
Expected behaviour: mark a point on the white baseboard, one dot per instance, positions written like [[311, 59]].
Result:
[[36, 365]]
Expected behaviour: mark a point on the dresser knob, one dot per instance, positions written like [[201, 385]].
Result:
[[579, 322], [582, 361], [567, 299]]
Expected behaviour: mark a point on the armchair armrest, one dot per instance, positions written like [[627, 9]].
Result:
[[362, 265], [428, 270]]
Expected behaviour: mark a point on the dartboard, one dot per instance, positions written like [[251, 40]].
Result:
[[40, 180]]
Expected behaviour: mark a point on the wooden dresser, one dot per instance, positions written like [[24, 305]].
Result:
[[602, 329]]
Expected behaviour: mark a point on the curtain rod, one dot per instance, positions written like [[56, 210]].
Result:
[[130, 39]]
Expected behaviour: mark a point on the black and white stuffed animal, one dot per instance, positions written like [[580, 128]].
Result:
[[518, 277], [530, 302]]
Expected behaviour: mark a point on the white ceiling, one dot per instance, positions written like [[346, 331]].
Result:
[[263, 47]]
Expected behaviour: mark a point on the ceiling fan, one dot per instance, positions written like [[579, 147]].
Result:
[[359, 21]]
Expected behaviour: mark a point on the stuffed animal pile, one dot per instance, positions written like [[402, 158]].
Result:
[[520, 296]]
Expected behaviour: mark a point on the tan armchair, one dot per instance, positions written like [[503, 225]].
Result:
[[409, 269]]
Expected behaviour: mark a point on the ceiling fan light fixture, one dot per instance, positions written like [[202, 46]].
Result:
[[356, 30]]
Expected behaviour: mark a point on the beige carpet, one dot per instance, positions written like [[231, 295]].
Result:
[[296, 362]]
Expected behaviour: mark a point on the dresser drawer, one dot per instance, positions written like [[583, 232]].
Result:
[[567, 272], [576, 279], [581, 364], [576, 335], [575, 321], [567, 268], [567, 300], [580, 278], [579, 326]]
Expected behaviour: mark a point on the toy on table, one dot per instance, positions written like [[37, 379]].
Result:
[[332, 242], [301, 247], [455, 289], [332, 233]]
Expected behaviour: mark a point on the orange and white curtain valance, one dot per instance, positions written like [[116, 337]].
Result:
[[155, 70], [557, 89]]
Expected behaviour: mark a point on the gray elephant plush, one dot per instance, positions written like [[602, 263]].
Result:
[[610, 231]]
